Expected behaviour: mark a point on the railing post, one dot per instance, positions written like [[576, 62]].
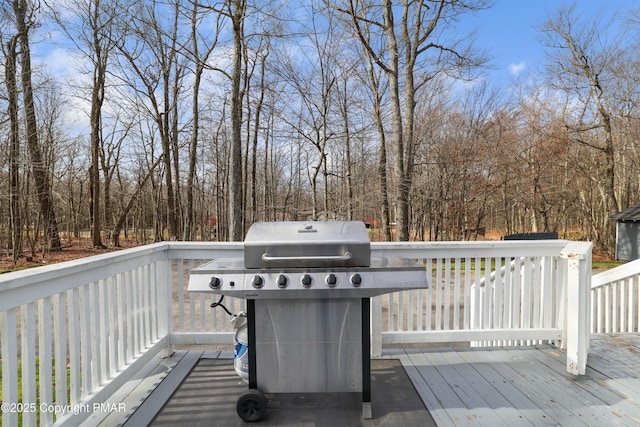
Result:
[[165, 300], [578, 294], [9, 360]]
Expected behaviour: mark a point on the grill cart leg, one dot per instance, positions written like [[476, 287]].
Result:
[[366, 360], [252, 404], [251, 330]]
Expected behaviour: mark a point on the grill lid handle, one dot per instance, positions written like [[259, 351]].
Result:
[[346, 257]]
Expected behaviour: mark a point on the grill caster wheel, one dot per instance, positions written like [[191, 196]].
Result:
[[252, 405]]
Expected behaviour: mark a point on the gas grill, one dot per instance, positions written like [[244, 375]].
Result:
[[307, 287]]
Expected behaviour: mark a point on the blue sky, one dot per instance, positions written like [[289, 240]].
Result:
[[508, 31]]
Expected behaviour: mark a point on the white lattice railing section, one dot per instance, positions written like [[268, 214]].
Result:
[[524, 293], [516, 302], [615, 300], [490, 293], [73, 333]]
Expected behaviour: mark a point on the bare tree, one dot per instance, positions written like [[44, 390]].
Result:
[[262, 58], [199, 63], [93, 35], [110, 155], [15, 219], [149, 47], [377, 89], [581, 57], [314, 103], [117, 228], [417, 39], [24, 14], [344, 100], [99, 48], [236, 10]]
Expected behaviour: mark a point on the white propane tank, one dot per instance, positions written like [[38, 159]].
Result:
[[241, 348]]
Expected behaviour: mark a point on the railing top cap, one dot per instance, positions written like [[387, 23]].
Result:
[[576, 250]]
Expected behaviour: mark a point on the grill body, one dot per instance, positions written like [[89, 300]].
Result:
[[319, 349], [307, 286]]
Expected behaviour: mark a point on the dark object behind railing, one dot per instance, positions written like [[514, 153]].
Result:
[[553, 235]]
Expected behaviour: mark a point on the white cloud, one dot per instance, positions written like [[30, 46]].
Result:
[[516, 69], [65, 67], [60, 61]]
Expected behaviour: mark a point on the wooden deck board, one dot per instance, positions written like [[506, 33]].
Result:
[[515, 372], [468, 386], [518, 374], [614, 363], [522, 386], [513, 401], [557, 397], [498, 408], [421, 385], [440, 396], [615, 406], [530, 385]]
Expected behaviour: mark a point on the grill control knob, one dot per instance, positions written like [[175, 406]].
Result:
[[356, 280], [282, 281], [257, 281], [215, 282], [306, 280], [331, 280]]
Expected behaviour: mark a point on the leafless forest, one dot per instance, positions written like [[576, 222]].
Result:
[[191, 120]]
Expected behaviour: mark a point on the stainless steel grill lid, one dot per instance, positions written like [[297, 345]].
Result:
[[307, 244]]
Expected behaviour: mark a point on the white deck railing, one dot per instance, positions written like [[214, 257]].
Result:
[[73, 333], [615, 300]]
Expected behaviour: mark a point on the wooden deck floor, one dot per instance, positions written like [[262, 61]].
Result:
[[528, 386], [473, 387]]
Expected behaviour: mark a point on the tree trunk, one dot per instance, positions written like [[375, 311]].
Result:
[[382, 147], [235, 164], [347, 146], [176, 214], [15, 219], [611, 203], [97, 98], [189, 229], [254, 145], [401, 193], [408, 136], [43, 187]]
